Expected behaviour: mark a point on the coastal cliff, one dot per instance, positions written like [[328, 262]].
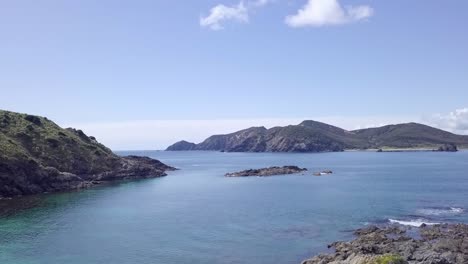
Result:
[[39, 156], [312, 136]]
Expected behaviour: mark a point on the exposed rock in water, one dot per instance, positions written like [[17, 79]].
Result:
[[271, 171], [39, 156], [448, 148], [435, 244]]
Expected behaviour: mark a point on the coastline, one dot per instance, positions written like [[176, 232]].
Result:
[[400, 150], [397, 244]]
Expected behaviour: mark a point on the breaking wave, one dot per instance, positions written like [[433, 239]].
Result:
[[414, 222]]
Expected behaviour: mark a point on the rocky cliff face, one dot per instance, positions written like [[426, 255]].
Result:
[[36, 155], [312, 136]]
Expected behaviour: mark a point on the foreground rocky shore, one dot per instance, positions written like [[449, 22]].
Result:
[[264, 172], [437, 244]]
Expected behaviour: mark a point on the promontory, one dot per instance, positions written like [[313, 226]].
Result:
[[36, 156], [313, 136]]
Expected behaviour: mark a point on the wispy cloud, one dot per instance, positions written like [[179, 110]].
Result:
[[456, 121], [221, 14], [317, 13]]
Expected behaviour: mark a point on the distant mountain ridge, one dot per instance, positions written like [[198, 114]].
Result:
[[313, 136]]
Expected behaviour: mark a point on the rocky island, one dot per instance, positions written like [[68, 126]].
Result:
[[313, 136], [36, 156], [428, 244], [264, 172]]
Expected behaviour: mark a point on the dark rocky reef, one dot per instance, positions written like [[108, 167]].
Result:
[[448, 148], [312, 136], [36, 156], [271, 171], [437, 244]]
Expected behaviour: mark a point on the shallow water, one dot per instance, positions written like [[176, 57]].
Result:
[[195, 215]]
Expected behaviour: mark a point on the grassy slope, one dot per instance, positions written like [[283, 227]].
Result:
[[31, 138], [410, 135]]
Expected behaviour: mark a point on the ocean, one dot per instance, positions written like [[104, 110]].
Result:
[[196, 215]]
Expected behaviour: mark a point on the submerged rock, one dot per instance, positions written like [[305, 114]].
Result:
[[271, 171], [436, 244]]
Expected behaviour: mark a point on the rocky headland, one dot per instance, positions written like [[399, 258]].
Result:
[[264, 172], [428, 244], [39, 156], [312, 136]]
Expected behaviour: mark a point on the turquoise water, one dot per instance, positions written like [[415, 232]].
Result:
[[195, 215]]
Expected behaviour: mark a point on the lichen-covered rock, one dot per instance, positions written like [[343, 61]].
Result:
[[438, 244]]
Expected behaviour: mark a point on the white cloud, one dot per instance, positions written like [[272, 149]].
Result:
[[456, 121], [222, 13], [237, 13], [317, 13]]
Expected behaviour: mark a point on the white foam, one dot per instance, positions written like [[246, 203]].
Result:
[[415, 222], [441, 211], [457, 210]]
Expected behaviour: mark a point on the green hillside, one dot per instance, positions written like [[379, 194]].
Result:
[[37, 156]]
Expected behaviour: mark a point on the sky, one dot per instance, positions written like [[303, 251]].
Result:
[[143, 74]]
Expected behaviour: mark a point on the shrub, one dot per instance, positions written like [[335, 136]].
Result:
[[389, 259]]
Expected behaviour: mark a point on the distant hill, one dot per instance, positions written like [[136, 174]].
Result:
[[410, 135], [313, 136], [39, 156]]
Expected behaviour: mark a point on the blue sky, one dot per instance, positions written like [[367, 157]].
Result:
[[91, 63]]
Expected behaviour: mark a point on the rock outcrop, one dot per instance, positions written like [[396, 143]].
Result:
[[312, 136], [448, 148], [271, 171], [36, 156], [437, 244]]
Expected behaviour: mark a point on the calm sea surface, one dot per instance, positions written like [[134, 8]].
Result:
[[195, 215]]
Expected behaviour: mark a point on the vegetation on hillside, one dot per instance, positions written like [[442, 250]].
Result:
[[312, 136], [36, 155]]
